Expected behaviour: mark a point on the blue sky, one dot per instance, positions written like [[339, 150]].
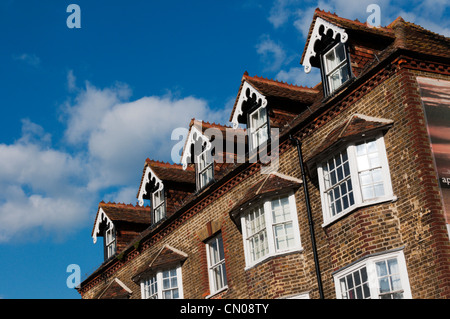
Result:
[[81, 109]]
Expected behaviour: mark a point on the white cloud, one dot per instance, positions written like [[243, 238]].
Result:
[[30, 59], [52, 191], [119, 134], [71, 81], [298, 76], [280, 13], [90, 106], [42, 188], [272, 54], [38, 216]]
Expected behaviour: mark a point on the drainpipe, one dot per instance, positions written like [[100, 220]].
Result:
[[308, 210]]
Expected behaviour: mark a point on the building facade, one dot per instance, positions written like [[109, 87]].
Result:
[[334, 191]]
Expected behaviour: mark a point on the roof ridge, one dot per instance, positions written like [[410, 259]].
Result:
[[418, 26], [323, 13], [121, 205], [160, 163], [212, 124], [290, 85]]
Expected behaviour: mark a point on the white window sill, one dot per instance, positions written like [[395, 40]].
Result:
[[273, 255], [217, 292], [357, 206]]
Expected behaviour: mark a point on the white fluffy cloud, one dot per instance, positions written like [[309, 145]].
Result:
[[298, 76], [53, 191], [42, 188], [119, 134], [272, 53]]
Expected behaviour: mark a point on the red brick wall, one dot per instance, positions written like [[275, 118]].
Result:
[[414, 221]]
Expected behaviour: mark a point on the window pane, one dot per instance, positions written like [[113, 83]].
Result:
[[335, 81], [359, 293], [395, 282], [331, 164], [344, 73], [381, 268], [166, 283], [357, 278], [346, 169], [213, 252], [361, 149], [376, 175], [363, 162], [367, 192], [345, 202], [393, 266], [340, 173], [340, 53], [350, 281], [255, 117], [371, 146], [379, 190], [280, 238], [280, 209], [364, 274], [173, 282], [365, 178], [221, 252], [167, 295], [374, 160], [384, 285], [352, 200], [330, 60]]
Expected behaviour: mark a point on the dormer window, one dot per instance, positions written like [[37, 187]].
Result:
[[204, 168], [158, 205], [110, 242], [258, 128], [336, 69]]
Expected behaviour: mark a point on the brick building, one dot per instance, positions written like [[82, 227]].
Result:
[[334, 191]]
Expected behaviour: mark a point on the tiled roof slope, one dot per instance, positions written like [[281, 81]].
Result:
[[126, 212], [274, 88], [171, 172], [277, 89], [413, 37]]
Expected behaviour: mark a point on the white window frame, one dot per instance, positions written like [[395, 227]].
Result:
[[220, 264], [157, 279], [355, 180], [254, 131], [158, 209], [204, 167], [336, 69], [372, 275], [269, 226], [110, 242]]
